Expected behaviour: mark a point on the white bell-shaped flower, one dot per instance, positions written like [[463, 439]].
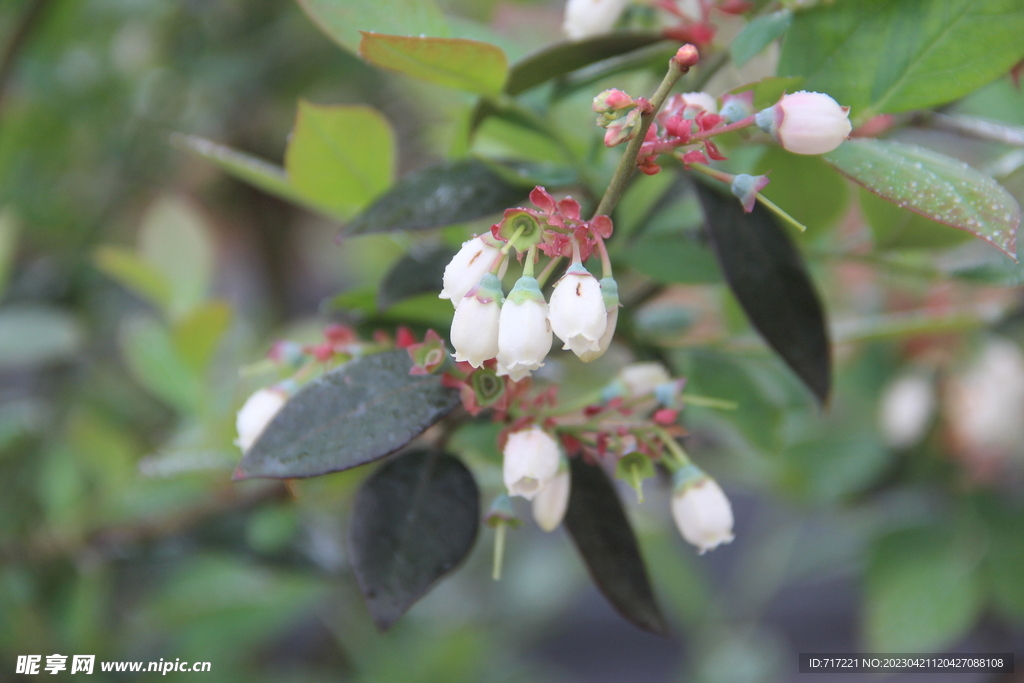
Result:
[[806, 122], [586, 18], [610, 293], [643, 378], [550, 504], [256, 413], [906, 409], [524, 333], [466, 268], [700, 509], [577, 310], [475, 325], [531, 460]]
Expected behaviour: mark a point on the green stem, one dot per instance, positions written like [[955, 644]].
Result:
[[499, 549], [705, 402], [627, 163], [531, 256], [548, 270], [679, 456], [606, 262], [720, 176], [778, 211]]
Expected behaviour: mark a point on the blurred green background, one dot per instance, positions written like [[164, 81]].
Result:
[[893, 521]]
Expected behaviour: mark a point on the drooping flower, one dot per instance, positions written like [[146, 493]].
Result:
[[586, 18], [610, 294], [467, 267], [550, 504], [531, 460], [475, 325], [524, 333], [256, 413], [906, 409], [806, 122], [700, 509], [643, 378], [577, 310]]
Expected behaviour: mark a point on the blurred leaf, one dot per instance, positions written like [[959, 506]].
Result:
[[768, 276], [413, 521], [176, 241], [975, 262], [470, 65], [352, 415], [418, 272], [770, 89], [342, 20], [1004, 562], [529, 174], [667, 259], [599, 528], [9, 229], [197, 335], [934, 185], [896, 228], [340, 156], [757, 417], [922, 592], [439, 195], [149, 351], [561, 58], [33, 335], [885, 56], [139, 276], [834, 465], [271, 528], [253, 170], [757, 34], [805, 187]]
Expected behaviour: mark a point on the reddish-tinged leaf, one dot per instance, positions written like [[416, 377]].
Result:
[[460, 63]]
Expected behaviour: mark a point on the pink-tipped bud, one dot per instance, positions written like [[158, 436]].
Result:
[[623, 129], [687, 56], [611, 100], [806, 122]]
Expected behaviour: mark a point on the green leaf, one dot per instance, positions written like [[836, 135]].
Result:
[[134, 273], [922, 592], [561, 58], [459, 63], [149, 351], [896, 228], [352, 415], [886, 56], [935, 186], [439, 195], [770, 89], [672, 258], [175, 240], [340, 157], [197, 335], [841, 462], [413, 521], [266, 176], [602, 534], [756, 35], [342, 20], [420, 271], [10, 226], [770, 280], [805, 187], [32, 335]]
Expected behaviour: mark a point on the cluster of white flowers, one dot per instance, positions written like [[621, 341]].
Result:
[[517, 330]]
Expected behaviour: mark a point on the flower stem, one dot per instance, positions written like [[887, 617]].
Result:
[[679, 457], [548, 269], [627, 163], [496, 266], [499, 549], [606, 262], [720, 176], [531, 256]]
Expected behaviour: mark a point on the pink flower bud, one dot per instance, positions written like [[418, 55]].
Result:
[[623, 129], [256, 413], [475, 325], [531, 461], [700, 509], [524, 333], [687, 56], [550, 504], [577, 310], [586, 18], [806, 122], [611, 100], [467, 267]]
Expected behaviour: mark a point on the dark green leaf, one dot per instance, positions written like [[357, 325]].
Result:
[[342, 20], [439, 195], [922, 590], [417, 272], [769, 89], [598, 525], [471, 65], [768, 276], [561, 58], [672, 258], [935, 186], [350, 416], [756, 35], [885, 56], [414, 520]]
